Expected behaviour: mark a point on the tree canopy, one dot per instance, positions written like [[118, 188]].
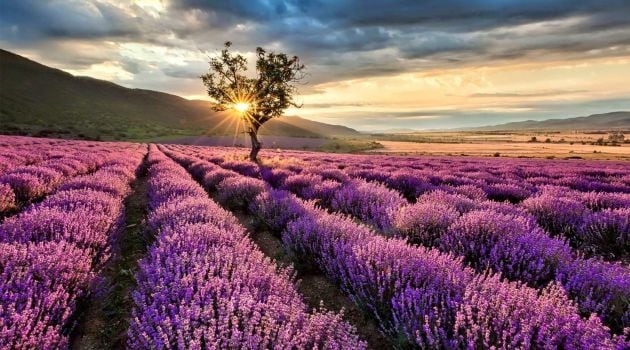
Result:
[[256, 99]]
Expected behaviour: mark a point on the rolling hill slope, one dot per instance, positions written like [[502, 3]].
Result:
[[605, 121], [36, 99]]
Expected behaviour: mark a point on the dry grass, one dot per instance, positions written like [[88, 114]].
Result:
[[508, 149], [502, 136]]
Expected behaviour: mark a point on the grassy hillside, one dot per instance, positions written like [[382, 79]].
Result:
[[39, 100]]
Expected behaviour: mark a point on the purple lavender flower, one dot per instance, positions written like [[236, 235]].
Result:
[[606, 200], [274, 176], [212, 179], [239, 192], [222, 291], [299, 183], [323, 192], [424, 222], [460, 202], [507, 192], [560, 216], [7, 198], [371, 202], [512, 245], [607, 232], [599, 287], [275, 209], [409, 184], [496, 314], [50, 252]]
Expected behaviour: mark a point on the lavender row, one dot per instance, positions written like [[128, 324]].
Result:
[[419, 297], [51, 253], [562, 210], [16, 156], [501, 178], [597, 223], [487, 234], [27, 183], [508, 241], [580, 175], [204, 284], [23, 184], [18, 150], [559, 209]]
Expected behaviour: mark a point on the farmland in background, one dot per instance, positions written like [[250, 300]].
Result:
[[528, 144]]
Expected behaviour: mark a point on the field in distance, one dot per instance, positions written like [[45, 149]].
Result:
[[586, 145]]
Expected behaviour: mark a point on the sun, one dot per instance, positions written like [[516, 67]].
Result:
[[241, 107]]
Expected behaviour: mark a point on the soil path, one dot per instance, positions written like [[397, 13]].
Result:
[[105, 316], [315, 287]]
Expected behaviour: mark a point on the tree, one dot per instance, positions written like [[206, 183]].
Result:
[[616, 137], [255, 99]]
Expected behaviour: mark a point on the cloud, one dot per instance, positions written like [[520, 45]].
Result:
[[34, 20], [184, 72], [544, 93], [131, 66], [448, 118], [340, 39], [164, 45]]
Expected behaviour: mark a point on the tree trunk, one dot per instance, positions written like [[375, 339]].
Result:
[[256, 145]]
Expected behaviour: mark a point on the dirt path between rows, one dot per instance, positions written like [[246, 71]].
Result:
[[315, 287], [105, 316]]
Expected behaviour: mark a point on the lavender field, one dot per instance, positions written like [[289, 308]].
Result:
[[149, 246]]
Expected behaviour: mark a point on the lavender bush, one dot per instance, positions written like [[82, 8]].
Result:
[[607, 233], [239, 192], [222, 292], [560, 216], [509, 238], [371, 202], [51, 253], [424, 222]]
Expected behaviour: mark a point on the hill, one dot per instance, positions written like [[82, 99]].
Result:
[[40, 100], [604, 122]]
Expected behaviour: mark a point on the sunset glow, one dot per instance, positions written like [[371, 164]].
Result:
[[241, 107], [415, 66]]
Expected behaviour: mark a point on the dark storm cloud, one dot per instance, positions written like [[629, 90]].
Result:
[[33, 20], [346, 39], [338, 39], [471, 15], [322, 17], [131, 66], [466, 14], [253, 10]]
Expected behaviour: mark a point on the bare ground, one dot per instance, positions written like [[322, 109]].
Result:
[[105, 316], [507, 149]]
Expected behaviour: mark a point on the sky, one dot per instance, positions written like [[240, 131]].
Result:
[[372, 65]]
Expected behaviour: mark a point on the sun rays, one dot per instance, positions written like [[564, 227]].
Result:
[[241, 107]]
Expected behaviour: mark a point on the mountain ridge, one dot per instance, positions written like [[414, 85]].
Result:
[[618, 120]]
